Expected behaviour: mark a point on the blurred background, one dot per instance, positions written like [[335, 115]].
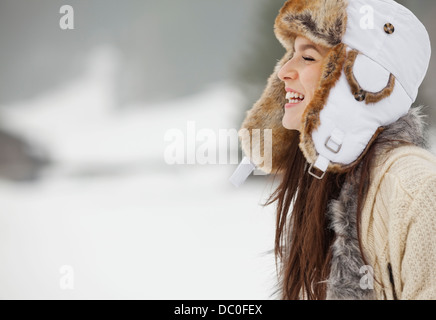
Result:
[[86, 197]]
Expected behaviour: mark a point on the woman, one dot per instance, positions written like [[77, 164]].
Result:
[[356, 206]]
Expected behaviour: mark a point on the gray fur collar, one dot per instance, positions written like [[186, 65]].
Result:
[[345, 276]]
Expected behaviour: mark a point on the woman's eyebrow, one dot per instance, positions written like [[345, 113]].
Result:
[[308, 46]]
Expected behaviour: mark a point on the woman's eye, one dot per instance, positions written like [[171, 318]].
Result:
[[308, 59]]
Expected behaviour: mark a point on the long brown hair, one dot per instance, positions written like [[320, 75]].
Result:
[[303, 238]]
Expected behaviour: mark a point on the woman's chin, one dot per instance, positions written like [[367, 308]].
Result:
[[288, 125]]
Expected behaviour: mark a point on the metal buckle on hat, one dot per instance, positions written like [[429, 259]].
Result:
[[314, 175], [334, 151]]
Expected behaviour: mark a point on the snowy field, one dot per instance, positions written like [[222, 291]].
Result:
[[123, 223]]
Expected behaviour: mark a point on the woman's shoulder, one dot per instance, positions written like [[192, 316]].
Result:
[[410, 160], [411, 166]]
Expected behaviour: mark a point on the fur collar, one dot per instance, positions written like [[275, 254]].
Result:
[[345, 276]]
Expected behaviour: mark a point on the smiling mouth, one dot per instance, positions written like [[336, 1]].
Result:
[[294, 98]]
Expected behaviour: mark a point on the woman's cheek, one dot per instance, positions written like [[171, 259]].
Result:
[[312, 80]]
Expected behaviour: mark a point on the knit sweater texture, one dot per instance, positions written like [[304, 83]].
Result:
[[398, 226]]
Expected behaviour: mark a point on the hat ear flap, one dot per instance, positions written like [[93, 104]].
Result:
[[263, 138], [371, 85]]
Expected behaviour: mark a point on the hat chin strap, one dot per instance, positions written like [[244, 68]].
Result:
[[322, 164], [334, 145]]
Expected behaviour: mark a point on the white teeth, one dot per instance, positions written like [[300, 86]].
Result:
[[294, 95]]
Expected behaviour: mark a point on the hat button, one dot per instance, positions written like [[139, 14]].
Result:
[[360, 95], [389, 28]]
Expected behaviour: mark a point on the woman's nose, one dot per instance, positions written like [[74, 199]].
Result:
[[288, 72]]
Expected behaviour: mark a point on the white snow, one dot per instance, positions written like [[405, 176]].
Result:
[[130, 225]]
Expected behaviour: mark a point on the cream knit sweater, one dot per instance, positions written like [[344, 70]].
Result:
[[398, 226]]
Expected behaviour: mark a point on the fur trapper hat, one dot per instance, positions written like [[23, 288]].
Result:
[[378, 56]]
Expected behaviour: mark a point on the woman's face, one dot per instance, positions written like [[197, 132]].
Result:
[[301, 76]]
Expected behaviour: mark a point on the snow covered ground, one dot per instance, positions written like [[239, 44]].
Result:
[[124, 223]]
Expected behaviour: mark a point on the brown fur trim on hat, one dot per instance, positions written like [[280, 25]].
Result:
[[356, 89], [332, 68], [267, 113], [321, 21]]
